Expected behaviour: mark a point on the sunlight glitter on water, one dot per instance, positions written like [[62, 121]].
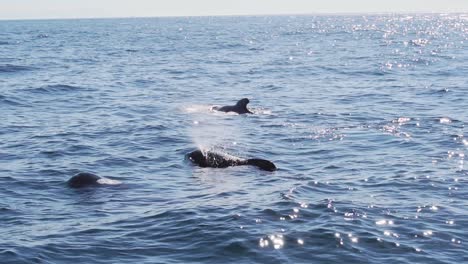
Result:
[[384, 222], [277, 241], [445, 120], [107, 181], [427, 233], [361, 105]]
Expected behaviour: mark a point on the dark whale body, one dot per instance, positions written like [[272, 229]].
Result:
[[83, 179], [240, 107], [216, 160]]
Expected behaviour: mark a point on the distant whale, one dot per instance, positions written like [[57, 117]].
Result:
[[85, 179], [240, 107], [217, 160]]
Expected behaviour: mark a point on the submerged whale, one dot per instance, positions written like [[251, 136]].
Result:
[[240, 107], [85, 179], [217, 160]]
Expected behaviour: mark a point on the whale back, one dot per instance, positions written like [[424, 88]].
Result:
[[217, 160], [262, 164], [213, 159], [240, 107], [83, 179]]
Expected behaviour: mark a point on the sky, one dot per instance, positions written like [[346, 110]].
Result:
[[41, 9]]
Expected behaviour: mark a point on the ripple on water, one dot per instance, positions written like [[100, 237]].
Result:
[[10, 101], [11, 68], [57, 88], [372, 164]]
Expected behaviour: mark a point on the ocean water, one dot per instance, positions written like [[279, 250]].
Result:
[[365, 117]]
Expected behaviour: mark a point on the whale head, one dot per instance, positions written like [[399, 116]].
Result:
[[197, 157]]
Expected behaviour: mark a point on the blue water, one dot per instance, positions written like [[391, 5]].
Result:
[[365, 117]]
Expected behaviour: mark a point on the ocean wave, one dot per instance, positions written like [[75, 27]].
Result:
[[41, 36], [9, 100], [57, 88], [11, 68], [371, 140]]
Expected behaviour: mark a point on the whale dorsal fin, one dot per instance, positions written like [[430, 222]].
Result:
[[242, 105]]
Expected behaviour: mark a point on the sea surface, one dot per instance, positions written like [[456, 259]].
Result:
[[365, 117]]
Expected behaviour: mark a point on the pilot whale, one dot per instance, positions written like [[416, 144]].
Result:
[[85, 179], [217, 160], [240, 107]]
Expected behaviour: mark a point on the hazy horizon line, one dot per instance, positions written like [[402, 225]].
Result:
[[244, 15]]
